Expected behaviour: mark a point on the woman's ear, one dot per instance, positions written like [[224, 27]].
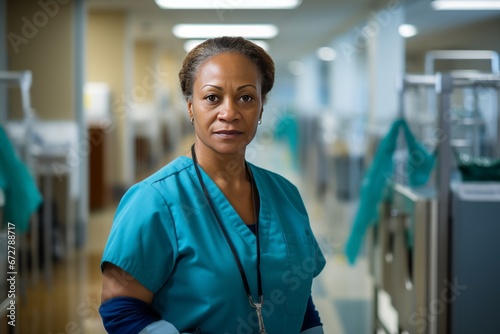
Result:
[[190, 109]]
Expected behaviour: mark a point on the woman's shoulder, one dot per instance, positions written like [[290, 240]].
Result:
[[270, 177], [172, 169], [168, 173]]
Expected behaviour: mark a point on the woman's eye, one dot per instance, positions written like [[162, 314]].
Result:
[[211, 98], [246, 98]]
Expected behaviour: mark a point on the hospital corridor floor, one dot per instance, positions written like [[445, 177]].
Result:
[[342, 292]]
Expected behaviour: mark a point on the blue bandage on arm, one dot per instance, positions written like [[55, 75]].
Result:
[[127, 315]]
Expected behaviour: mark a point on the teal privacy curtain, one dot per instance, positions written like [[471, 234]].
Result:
[[286, 128], [22, 197], [377, 176]]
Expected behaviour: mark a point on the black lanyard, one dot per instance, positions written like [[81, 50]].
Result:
[[231, 245]]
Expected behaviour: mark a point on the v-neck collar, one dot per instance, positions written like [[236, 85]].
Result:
[[228, 215]]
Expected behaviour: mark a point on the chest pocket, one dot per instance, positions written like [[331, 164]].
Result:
[[300, 274]]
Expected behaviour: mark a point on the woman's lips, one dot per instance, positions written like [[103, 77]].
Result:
[[228, 133]]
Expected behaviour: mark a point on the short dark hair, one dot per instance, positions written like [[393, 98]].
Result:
[[215, 46]]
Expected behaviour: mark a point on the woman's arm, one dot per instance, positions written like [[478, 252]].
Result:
[[116, 282], [126, 305]]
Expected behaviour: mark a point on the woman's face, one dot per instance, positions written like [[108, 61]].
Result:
[[226, 103]]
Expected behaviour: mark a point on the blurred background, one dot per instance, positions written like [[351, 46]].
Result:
[[385, 114]]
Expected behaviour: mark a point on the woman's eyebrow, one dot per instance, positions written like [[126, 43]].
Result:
[[220, 88], [249, 85], [214, 86]]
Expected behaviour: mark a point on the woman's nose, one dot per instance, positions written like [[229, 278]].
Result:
[[228, 112]]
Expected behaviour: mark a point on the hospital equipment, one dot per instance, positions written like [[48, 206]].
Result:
[[50, 150], [433, 248], [22, 80]]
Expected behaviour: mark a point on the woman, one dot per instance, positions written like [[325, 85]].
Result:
[[211, 243]]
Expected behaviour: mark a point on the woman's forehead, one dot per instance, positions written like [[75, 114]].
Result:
[[226, 66]]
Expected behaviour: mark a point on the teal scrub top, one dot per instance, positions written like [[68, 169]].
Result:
[[165, 235]]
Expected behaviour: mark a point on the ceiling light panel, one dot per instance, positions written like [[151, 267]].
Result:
[[200, 31], [465, 5], [407, 30], [228, 4], [326, 53]]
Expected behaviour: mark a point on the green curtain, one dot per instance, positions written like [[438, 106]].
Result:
[[379, 174], [22, 197]]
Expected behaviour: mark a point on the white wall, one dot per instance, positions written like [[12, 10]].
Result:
[[307, 89], [349, 86], [386, 62]]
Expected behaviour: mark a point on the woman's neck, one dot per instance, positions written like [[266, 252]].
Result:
[[224, 170]]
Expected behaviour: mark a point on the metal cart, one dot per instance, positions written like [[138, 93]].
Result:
[[434, 250]]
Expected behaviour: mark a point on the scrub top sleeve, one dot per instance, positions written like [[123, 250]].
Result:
[[142, 239], [320, 261]]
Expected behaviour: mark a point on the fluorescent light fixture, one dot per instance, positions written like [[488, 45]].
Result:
[[216, 30], [192, 43], [407, 30], [465, 5], [228, 4], [326, 53]]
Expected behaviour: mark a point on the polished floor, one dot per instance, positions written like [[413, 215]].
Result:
[[342, 292]]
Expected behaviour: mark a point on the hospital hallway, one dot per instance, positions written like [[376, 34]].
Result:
[[385, 114], [341, 292]]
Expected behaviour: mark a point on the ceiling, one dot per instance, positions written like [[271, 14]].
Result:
[[313, 24]]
